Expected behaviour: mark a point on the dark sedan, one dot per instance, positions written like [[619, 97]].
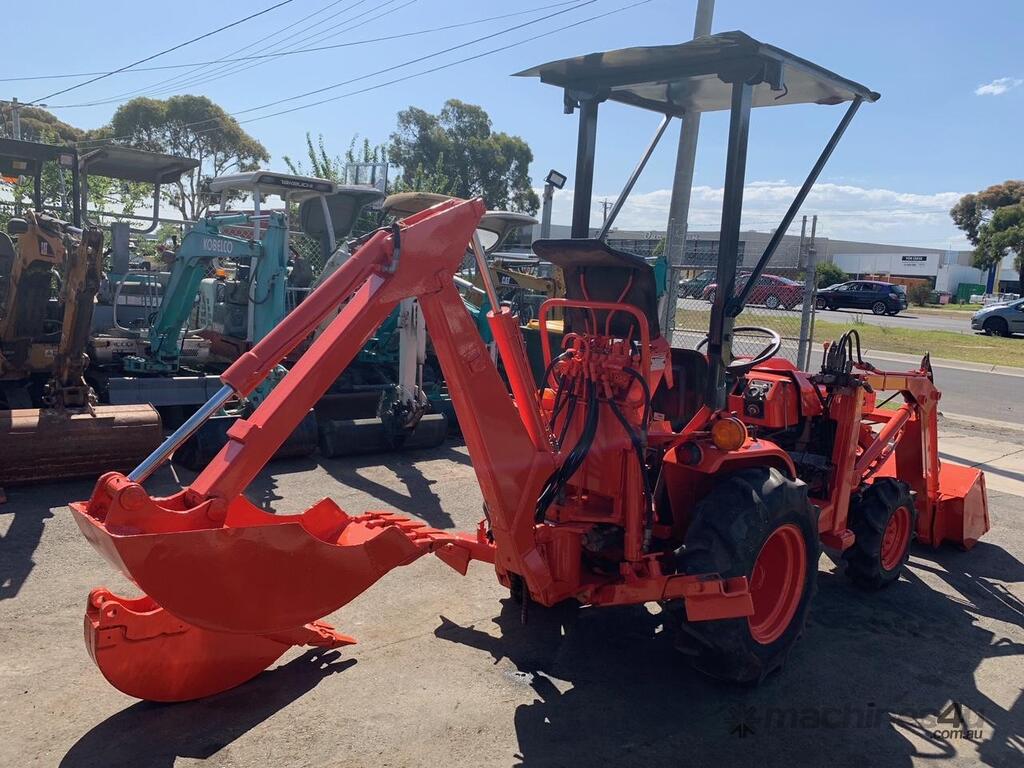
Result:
[[874, 295]]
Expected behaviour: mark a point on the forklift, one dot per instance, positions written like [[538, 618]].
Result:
[[636, 473]]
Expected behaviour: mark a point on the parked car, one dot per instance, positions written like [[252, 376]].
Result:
[[879, 297], [1000, 319], [694, 286], [771, 291]]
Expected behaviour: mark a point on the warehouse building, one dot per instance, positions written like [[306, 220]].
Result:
[[946, 269]]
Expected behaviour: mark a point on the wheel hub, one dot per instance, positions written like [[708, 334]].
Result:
[[895, 538], [777, 583]]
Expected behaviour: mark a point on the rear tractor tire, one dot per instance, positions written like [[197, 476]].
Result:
[[882, 517], [755, 523]]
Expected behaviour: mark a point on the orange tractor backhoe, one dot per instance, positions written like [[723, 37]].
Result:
[[638, 472]]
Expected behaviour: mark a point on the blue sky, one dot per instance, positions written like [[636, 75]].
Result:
[[937, 132]]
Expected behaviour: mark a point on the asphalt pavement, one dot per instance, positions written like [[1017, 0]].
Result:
[[922, 673]]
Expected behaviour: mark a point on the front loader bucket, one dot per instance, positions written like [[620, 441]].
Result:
[[243, 570], [124, 636], [37, 445], [961, 509]]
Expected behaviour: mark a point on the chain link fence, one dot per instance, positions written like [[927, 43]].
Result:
[[775, 302]]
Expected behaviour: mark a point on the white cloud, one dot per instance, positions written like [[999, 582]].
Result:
[[845, 212], [998, 86]]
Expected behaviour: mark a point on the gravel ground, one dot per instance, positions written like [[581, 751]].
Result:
[[445, 673]]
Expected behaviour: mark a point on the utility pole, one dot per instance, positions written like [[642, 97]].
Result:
[[682, 182], [810, 265], [15, 106], [16, 117], [605, 205]]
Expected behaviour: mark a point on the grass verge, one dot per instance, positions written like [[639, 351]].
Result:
[[967, 347]]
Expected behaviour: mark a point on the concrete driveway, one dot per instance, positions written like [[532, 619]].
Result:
[[445, 673]]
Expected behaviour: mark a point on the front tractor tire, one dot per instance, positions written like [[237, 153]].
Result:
[[755, 523], [883, 520]]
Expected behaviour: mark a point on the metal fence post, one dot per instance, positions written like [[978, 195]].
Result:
[[807, 310]]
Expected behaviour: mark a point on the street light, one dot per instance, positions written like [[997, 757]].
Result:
[[554, 180]]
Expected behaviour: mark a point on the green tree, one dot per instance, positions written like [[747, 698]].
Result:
[[1003, 234], [324, 165], [37, 124], [826, 273], [456, 152], [975, 213], [187, 126]]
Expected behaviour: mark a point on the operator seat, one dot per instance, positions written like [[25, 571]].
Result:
[[596, 272]]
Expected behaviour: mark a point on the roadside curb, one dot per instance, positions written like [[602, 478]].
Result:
[[943, 362], [976, 421]]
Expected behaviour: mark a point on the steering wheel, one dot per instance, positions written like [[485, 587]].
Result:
[[742, 365]]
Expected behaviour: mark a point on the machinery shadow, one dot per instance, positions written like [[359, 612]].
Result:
[[878, 679], [156, 735], [22, 520], [416, 495]]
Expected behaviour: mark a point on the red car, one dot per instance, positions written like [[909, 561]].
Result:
[[772, 291]]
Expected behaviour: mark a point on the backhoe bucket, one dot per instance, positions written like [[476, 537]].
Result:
[[243, 570], [124, 635], [37, 445]]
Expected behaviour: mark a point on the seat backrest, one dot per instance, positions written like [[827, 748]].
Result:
[[595, 272]]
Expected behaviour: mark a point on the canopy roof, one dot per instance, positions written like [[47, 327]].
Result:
[[284, 184], [25, 158], [695, 76], [117, 162]]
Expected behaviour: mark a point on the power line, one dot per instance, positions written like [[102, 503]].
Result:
[[161, 53], [230, 58], [278, 43], [449, 64], [416, 60], [413, 75], [197, 69], [346, 25]]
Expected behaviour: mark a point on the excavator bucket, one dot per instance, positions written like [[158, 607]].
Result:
[[37, 445], [123, 635]]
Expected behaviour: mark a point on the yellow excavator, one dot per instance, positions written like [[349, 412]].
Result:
[[50, 424]]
